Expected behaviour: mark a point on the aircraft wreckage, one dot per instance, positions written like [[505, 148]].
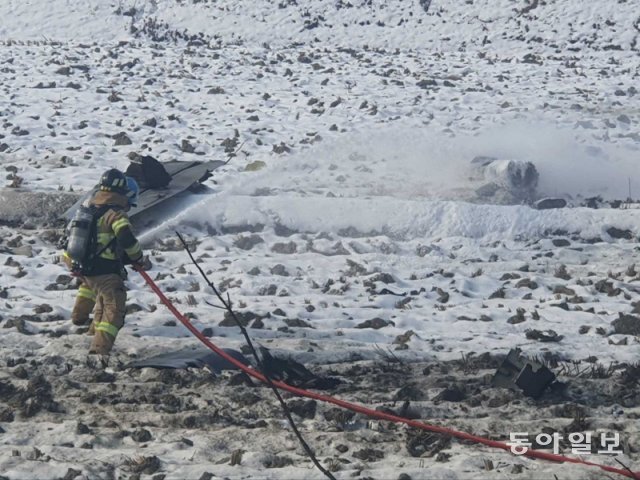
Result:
[[163, 188], [33, 209]]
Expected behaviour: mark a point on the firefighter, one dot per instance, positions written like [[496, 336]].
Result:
[[102, 274], [86, 298]]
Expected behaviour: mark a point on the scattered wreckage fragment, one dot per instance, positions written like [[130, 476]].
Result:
[[277, 367], [518, 372]]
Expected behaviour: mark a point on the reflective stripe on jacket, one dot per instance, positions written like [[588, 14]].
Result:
[[115, 224]]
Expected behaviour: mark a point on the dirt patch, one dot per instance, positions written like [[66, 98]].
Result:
[[21, 208]]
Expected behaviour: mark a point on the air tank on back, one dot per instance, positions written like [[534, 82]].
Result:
[[79, 234]]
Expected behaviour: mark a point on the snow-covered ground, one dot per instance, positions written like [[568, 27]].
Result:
[[345, 226]]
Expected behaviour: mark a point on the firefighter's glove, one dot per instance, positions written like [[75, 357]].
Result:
[[143, 264]]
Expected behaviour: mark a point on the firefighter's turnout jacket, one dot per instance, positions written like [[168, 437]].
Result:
[[102, 287]]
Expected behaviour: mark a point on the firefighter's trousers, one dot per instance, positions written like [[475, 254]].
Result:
[[85, 301], [109, 310]]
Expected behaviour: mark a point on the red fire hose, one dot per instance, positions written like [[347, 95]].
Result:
[[368, 411]]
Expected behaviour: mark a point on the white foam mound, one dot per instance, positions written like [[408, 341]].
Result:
[[400, 219]]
